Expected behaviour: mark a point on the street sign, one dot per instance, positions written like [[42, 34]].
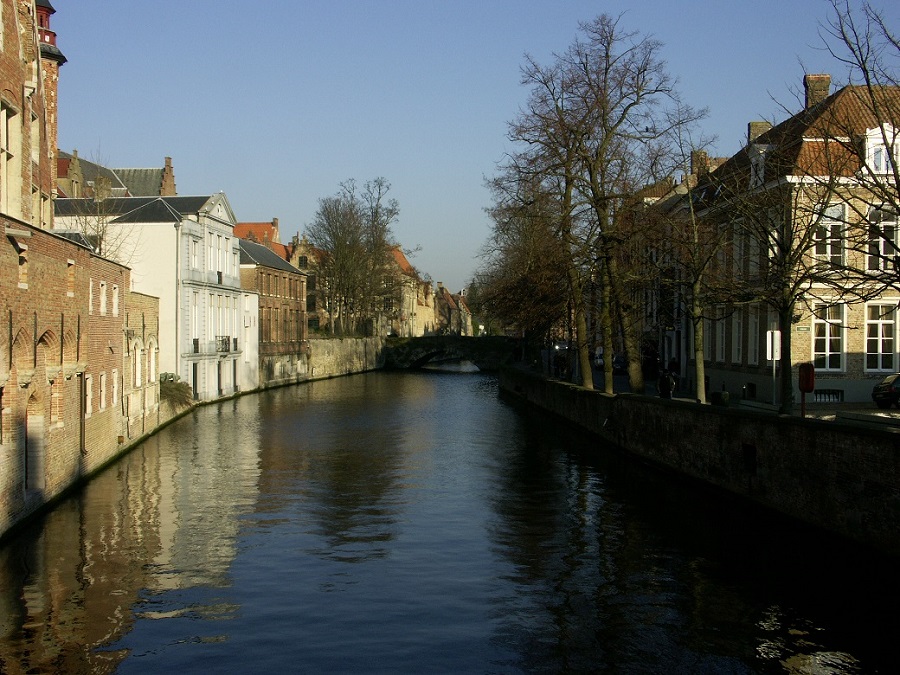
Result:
[[773, 345]]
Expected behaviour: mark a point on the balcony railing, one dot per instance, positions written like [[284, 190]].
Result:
[[223, 343]]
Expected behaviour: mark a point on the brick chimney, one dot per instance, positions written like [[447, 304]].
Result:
[[757, 129], [699, 162], [817, 88]]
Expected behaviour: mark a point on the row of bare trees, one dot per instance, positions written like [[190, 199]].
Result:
[[356, 277], [597, 128], [587, 202]]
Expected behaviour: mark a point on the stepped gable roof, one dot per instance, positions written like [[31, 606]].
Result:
[[257, 254], [141, 181], [134, 209], [93, 173]]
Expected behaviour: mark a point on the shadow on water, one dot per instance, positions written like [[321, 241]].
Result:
[[736, 588]]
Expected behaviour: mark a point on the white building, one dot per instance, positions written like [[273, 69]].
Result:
[[182, 250]]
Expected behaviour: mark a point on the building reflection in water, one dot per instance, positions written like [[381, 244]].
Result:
[[163, 519]]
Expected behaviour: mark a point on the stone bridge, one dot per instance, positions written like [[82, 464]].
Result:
[[488, 353]]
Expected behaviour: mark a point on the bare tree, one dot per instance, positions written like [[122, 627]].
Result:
[[592, 131], [353, 229]]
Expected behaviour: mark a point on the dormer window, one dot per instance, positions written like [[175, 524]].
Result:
[[758, 164], [882, 149]]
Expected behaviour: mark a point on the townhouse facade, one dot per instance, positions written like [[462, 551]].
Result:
[[67, 360], [280, 289], [452, 314], [182, 250], [810, 206]]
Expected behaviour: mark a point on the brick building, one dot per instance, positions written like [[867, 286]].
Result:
[[64, 346], [282, 329]]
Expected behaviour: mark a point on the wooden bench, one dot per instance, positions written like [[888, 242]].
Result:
[[829, 395]]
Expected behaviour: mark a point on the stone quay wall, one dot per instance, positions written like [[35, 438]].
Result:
[[331, 357], [841, 477]]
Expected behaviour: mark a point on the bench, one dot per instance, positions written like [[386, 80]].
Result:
[[829, 395]]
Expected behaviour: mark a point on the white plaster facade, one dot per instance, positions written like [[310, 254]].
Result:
[[182, 250]]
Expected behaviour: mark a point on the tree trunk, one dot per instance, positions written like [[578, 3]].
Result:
[[699, 364], [581, 341], [786, 380]]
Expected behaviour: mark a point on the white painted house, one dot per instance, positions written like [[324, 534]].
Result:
[[182, 250]]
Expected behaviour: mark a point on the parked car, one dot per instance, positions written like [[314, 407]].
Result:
[[887, 392]]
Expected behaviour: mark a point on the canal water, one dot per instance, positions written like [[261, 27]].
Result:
[[393, 522]]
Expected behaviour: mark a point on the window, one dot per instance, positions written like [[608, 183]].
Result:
[[753, 335], [737, 337], [136, 365], [195, 314], [10, 166], [115, 386], [91, 297], [828, 337], [115, 299], [828, 247], [758, 164], [23, 266], [720, 334], [882, 149], [882, 241], [102, 391], [195, 254], [70, 278], [88, 395], [102, 298], [880, 322]]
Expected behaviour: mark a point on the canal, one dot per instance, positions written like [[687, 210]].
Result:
[[395, 522]]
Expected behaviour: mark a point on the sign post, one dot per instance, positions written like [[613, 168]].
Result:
[[773, 354]]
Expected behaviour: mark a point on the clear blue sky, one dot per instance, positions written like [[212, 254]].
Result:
[[275, 102]]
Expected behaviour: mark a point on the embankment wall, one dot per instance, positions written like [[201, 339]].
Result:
[[331, 357], [841, 477]]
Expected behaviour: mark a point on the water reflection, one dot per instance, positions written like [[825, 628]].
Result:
[[394, 522]]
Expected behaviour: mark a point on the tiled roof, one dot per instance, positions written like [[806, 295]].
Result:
[[260, 232], [141, 182], [798, 144], [402, 262], [257, 254]]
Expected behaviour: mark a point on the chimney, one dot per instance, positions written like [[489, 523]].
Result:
[[757, 129], [699, 162], [275, 231], [817, 88]]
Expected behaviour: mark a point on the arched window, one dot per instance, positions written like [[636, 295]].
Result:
[[136, 353]]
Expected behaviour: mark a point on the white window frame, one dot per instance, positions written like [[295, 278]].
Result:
[[883, 250], [881, 337], [828, 246], [880, 155], [828, 337]]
